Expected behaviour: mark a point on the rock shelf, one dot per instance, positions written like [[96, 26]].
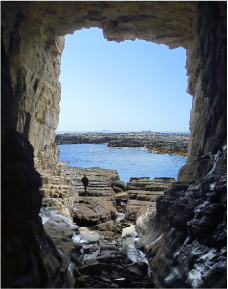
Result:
[[106, 192], [99, 247], [171, 143]]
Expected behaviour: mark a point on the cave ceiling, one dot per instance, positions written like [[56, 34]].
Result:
[[171, 23]]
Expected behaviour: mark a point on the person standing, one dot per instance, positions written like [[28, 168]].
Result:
[[85, 182]]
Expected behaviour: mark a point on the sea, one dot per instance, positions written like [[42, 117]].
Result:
[[128, 162]]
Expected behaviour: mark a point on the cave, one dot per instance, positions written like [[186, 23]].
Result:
[[192, 214]]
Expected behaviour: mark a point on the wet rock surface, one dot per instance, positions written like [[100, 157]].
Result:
[[102, 250], [92, 259], [159, 142], [114, 270], [187, 220], [189, 224], [61, 231]]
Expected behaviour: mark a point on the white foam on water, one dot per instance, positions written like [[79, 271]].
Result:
[[120, 217], [78, 239], [46, 215]]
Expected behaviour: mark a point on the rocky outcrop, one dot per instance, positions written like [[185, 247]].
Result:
[[143, 192], [98, 206], [158, 142], [189, 225]]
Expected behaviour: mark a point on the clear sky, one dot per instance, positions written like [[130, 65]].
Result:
[[128, 86]]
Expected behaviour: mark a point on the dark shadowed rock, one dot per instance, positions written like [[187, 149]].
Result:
[[93, 269]]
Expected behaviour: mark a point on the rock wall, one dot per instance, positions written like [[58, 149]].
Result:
[[29, 257], [207, 83], [185, 239], [34, 55], [32, 41], [57, 189]]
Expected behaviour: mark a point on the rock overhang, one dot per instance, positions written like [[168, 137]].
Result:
[[170, 23]]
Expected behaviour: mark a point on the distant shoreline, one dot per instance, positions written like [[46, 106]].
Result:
[[110, 131], [170, 143]]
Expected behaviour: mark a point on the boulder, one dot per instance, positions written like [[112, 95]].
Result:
[[118, 184], [117, 190], [108, 247], [105, 258], [134, 271], [105, 226]]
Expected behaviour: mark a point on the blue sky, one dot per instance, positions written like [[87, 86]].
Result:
[[128, 86]]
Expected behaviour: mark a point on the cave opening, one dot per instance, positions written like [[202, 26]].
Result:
[[121, 87], [194, 209], [128, 86]]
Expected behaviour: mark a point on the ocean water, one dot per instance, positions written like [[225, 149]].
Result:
[[129, 162]]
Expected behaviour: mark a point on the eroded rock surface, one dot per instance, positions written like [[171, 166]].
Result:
[[143, 192], [57, 189], [98, 206], [61, 231], [189, 225]]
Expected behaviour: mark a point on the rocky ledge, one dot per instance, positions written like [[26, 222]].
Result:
[[96, 239], [110, 205], [171, 143]]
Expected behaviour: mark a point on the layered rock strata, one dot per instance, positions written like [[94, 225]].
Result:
[[143, 192], [159, 142], [57, 189], [98, 206], [189, 225], [32, 42], [105, 191]]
